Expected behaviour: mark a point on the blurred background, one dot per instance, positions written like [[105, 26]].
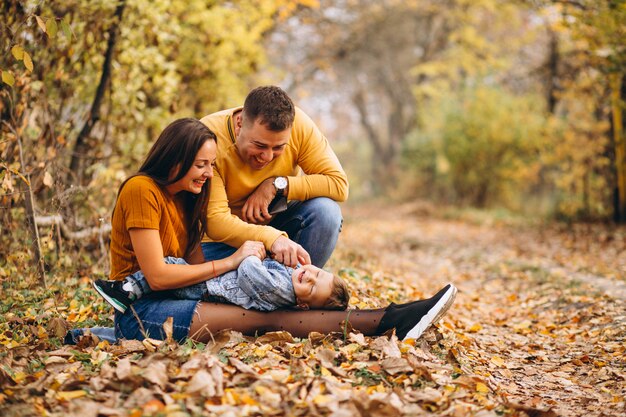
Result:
[[499, 104]]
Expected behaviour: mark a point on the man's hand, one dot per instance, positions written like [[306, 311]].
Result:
[[255, 209], [288, 252]]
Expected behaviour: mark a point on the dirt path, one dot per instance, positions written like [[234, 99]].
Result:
[[541, 311]]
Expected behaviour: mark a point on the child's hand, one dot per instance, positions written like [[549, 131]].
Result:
[[249, 248]]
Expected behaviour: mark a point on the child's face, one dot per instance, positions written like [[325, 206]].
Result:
[[312, 286]]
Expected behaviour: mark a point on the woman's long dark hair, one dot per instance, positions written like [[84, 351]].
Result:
[[176, 149]]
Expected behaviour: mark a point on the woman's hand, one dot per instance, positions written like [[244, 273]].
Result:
[[249, 248]]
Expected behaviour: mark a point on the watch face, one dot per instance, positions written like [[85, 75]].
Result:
[[280, 183]]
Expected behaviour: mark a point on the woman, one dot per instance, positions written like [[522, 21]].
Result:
[[161, 211]]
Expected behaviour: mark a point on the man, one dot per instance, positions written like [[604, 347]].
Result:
[[262, 147]]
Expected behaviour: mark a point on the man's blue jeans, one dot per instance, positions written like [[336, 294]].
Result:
[[314, 224]]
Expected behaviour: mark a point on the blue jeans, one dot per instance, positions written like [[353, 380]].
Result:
[[141, 288], [315, 224], [153, 310]]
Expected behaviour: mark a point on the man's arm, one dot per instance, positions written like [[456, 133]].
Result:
[[324, 175], [223, 226]]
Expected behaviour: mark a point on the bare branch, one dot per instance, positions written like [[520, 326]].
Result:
[[70, 234]]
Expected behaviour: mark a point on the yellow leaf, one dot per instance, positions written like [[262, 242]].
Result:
[[70, 395], [525, 325], [65, 27], [475, 328], [497, 360], [320, 399], [41, 23], [482, 388], [19, 377], [261, 351], [230, 397], [248, 400], [28, 62], [52, 28], [8, 78], [18, 52]]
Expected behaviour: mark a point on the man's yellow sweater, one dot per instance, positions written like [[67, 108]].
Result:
[[308, 150]]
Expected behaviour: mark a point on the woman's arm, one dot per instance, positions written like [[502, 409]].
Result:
[[161, 276]]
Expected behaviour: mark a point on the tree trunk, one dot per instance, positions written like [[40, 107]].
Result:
[[81, 146], [553, 74], [618, 97]]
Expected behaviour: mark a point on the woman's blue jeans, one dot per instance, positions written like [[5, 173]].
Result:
[[314, 224]]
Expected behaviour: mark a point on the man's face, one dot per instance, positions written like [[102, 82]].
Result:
[[312, 286], [258, 146]]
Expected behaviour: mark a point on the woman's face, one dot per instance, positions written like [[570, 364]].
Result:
[[199, 173]]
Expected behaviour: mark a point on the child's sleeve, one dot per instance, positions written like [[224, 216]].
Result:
[[270, 288]]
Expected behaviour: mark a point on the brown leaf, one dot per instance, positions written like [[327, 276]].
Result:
[[202, 383], [315, 338], [395, 365], [5, 378], [242, 367], [275, 337], [428, 394], [58, 327], [41, 23], [87, 340], [55, 359], [222, 339], [531, 411], [168, 328], [151, 345], [388, 347], [157, 374], [326, 357], [123, 370], [125, 347], [138, 398], [357, 338]]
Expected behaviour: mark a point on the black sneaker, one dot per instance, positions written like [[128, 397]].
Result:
[[411, 320], [114, 294]]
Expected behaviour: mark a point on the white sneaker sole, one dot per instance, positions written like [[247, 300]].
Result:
[[433, 315], [112, 301]]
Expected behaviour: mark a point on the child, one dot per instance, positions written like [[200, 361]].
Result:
[[261, 285]]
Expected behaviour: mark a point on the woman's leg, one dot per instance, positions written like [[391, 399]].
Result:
[[410, 320], [212, 317]]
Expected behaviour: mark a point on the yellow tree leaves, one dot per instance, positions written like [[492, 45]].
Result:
[[50, 27]]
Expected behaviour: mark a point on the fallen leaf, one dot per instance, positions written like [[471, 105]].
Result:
[[272, 337], [70, 395], [123, 370], [395, 365], [202, 383]]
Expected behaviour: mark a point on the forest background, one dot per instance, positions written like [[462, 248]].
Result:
[[508, 104], [511, 106]]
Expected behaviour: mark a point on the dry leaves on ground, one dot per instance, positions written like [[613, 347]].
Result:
[[523, 338]]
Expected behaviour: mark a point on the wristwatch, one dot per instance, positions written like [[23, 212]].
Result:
[[280, 183]]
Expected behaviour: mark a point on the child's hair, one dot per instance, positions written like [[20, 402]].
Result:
[[339, 296]]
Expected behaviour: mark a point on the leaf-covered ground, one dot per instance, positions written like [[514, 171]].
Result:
[[538, 329]]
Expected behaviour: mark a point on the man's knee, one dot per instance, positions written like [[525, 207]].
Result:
[[326, 213]]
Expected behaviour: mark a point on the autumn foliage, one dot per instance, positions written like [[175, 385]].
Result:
[[514, 107]]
